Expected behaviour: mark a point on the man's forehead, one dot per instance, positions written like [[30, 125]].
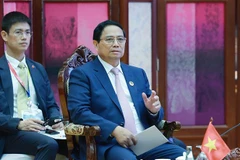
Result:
[[112, 31], [20, 26]]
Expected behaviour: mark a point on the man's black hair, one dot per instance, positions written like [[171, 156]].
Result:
[[12, 18], [100, 27]]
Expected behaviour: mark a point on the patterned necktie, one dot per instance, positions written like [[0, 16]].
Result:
[[126, 109], [22, 97]]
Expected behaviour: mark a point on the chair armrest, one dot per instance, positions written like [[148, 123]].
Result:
[[81, 130], [168, 127], [72, 131]]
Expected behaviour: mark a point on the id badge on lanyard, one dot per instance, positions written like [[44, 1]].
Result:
[[29, 102]]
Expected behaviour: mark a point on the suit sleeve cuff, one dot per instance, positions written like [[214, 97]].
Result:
[[153, 114]]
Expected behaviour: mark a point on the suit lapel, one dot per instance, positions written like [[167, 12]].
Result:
[[33, 71], [104, 80], [6, 82], [34, 75]]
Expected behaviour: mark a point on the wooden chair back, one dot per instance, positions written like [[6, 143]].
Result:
[[80, 56]]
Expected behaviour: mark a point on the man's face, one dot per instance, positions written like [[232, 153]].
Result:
[[112, 44], [18, 39]]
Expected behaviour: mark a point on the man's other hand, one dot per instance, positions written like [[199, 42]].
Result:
[[58, 126], [31, 125], [124, 137]]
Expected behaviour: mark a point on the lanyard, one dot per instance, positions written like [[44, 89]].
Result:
[[19, 79]]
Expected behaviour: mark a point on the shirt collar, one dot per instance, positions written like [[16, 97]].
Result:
[[108, 67], [14, 62]]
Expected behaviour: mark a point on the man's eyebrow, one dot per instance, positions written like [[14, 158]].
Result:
[[22, 29], [115, 36]]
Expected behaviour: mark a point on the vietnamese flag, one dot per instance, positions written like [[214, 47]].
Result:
[[213, 145]]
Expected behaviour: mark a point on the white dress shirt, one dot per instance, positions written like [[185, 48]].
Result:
[[111, 76]]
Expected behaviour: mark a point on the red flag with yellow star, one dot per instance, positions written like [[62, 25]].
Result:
[[213, 145]]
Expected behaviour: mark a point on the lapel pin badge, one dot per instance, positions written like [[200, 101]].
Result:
[[131, 83], [33, 66]]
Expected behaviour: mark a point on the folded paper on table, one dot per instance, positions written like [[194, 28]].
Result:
[[147, 140]]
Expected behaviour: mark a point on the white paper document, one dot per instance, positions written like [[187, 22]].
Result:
[[147, 140]]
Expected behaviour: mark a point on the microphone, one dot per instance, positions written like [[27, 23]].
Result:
[[188, 152], [230, 129]]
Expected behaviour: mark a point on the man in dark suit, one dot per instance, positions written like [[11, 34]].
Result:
[[19, 135], [94, 100]]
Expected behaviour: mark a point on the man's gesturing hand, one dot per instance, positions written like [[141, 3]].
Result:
[[152, 103]]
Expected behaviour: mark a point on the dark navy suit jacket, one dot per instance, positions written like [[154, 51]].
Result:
[[46, 101], [93, 101]]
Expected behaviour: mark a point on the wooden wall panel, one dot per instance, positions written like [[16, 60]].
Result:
[[237, 13], [193, 135]]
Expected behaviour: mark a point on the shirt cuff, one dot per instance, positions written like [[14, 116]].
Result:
[[153, 114]]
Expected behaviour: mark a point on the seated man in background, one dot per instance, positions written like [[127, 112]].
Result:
[[24, 87], [116, 97]]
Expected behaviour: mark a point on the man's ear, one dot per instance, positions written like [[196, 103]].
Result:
[[95, 43], [4, 35]]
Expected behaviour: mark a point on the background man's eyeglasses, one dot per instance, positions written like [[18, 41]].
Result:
[[21, 33], [111, 40]]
